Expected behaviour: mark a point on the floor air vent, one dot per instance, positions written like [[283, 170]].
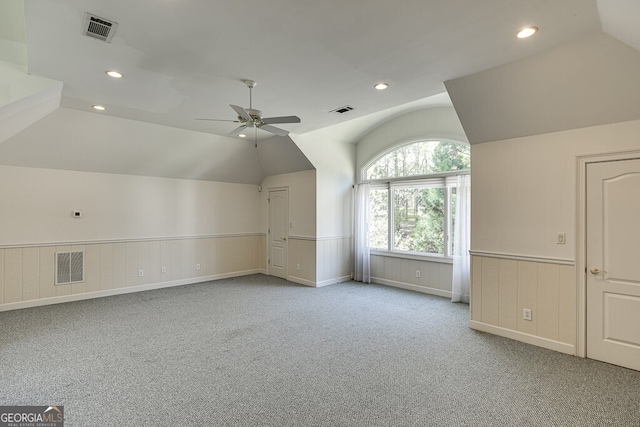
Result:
[[98, 28], [69, 267]]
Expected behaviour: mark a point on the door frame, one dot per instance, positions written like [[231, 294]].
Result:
[[581, 239], [267, 240]]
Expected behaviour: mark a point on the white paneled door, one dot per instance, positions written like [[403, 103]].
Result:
[[613, 262], [278, 232]]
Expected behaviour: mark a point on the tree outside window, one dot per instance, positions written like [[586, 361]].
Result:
[[422, 207]]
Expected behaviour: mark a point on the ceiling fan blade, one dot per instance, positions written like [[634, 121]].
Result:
[[275, 130], [241, 112], [220, 120], [283, 119], [238, 130]]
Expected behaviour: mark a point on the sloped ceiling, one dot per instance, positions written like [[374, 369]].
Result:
[[77, 140], [619, 19], [183, 62], [589, 82]]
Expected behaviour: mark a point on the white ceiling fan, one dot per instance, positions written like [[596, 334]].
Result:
[[252, 118]]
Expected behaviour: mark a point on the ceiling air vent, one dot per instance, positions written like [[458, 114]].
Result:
[[342, 110], [98, 28]]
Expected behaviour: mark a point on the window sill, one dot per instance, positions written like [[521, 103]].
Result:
[[412, 255]]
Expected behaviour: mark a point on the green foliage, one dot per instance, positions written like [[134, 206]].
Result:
[[419, 220], [421, 158], [419, 214], [449, 157]]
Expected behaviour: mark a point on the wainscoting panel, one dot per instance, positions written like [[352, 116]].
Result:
[[27, 274], [302, 252], [502, 287], [435, 277], [334, 260]]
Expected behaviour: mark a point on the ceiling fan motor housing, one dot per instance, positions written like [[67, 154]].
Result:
[[255, 114]]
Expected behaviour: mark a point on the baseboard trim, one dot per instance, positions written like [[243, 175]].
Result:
[[120, 291], [412, 287], [301, 281], [523, 337], [333, 281]]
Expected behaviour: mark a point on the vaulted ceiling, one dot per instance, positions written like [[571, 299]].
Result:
[[184, 60]]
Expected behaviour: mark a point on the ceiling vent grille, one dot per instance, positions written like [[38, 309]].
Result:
[[342, 110], [98, 28]]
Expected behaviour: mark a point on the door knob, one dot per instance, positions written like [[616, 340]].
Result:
[[594, 270], [284, 239]]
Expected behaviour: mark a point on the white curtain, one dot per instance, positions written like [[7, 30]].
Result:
[[362, 267], [462, 242]]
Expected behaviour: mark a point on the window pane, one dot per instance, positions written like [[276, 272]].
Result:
[[419, 221], [379, 219], [421, 158]]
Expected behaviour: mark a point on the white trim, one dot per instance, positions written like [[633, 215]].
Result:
[[301, 281], [412, 287], [313, 239], [121, 291], [147, 239], [414, 256], [333, 281], [518, 257], [581, 234], [438, 178], [522, 337], [320, 239]]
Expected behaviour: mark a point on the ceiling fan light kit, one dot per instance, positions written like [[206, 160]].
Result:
[[252, 118]]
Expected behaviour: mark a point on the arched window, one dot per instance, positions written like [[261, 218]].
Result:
[[412, 196], [419, 158]]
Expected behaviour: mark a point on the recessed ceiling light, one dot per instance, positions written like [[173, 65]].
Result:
[[526, 32], [381, 86], [115, 74], [242, 135], [98, 107]]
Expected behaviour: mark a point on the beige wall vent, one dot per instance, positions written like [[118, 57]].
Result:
[[69, 267], [98, 28]]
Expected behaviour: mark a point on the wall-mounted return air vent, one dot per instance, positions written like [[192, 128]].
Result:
[[69, 267], [342, 110], [98, 28]]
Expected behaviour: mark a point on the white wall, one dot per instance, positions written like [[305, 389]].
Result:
[[163, 227], [334, 162], [302, 201], [37, 204], [524, 189], [524, 192]]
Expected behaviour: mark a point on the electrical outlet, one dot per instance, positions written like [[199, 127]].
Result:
[[140, 273], [417, 273], [297, 267], [164, 269], [198, 267], [562, 238], [526, 314]]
